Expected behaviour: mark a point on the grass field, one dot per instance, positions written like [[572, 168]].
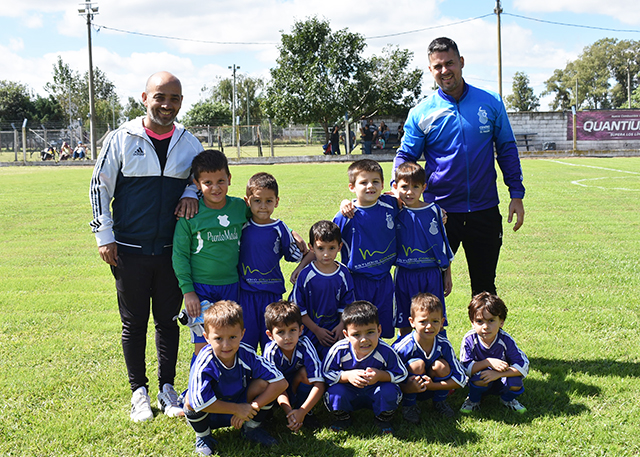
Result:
[[570, 277]]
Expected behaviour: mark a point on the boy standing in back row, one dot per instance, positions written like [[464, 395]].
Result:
[[369, 240]]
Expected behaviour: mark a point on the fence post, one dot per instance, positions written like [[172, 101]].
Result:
[[15, 140], [271, 136], [259, 141], [24, 140]]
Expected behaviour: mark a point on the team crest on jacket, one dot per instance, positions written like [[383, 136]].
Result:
[[482, 116], [224, 220], [389, 221], [433, 227]]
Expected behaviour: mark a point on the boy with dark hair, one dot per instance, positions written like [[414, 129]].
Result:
[[229, 384], [433, 367], [206, 247], [362, 370], [369, 239], [424, 255], [264, 242], [494, 362], [323, 288], [295, 356]]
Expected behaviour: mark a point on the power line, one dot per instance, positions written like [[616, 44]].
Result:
[[428, 28], [564, 24], [183, 39]]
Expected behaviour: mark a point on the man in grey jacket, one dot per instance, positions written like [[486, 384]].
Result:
[[140, 184]]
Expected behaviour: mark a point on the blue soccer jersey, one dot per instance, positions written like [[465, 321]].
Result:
[[305, 355], [422, 239], [369, 238], [261, 248], [323, 296], [211, 380], [342, 358], [409, 350], [503, 347]]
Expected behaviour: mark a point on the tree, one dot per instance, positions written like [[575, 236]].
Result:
[[321, 74], [48, 110], [605, 61], [246, 86], [135, 108], [208, 113], [15, 102], [71, 90], [522, 98]]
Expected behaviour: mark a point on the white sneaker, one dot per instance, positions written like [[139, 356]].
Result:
[[168, 402], [141, 406], [514, 405]]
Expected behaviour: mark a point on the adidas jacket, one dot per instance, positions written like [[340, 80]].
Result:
[[127, 176]]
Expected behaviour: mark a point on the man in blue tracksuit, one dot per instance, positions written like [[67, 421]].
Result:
[[456, 130]]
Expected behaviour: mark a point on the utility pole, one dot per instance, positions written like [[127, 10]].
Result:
[[89, 10], [498, 10]]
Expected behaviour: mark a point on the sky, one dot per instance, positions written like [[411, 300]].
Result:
[[131, 38]]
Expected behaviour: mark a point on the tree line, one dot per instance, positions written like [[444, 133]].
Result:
[[320, 77]]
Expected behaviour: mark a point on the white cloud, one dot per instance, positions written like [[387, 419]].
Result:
[[625, 11], [16, 44]]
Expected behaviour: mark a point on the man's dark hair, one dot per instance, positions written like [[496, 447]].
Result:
[[360, 312], [442, 44], [326, 231], [208, 161]]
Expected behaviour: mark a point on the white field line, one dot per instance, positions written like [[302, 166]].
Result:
[[580, 182]]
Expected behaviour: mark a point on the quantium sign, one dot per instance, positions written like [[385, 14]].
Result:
[[605, 125]]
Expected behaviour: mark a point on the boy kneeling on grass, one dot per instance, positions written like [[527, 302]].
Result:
[[294, 355], [494, 362], [433, 366], [229, 384], [362, 370]]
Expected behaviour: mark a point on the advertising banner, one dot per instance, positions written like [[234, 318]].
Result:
[[605, 125]]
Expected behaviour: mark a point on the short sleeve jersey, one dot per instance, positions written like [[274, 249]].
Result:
[[262, 247], [305, 355], [342, 358], [323, 296], [409, 350], [206, 247], [422, 239], [503, 347], [211, 380], [369, 238]]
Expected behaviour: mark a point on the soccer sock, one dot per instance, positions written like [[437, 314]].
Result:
[[341, 415], [198, 421], [508, 394], [476, 392], [385, 416], [262, 415]]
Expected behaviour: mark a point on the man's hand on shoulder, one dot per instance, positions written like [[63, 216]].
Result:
[[516, 207], [187, 207], [109, 253]]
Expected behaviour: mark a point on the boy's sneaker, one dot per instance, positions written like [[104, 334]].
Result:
[[411, 414], [443, 408], [205, 445], [341, 423], [168, 401], [384, 427], [469, 406], [141, 405], [258, 435], [514, 405]]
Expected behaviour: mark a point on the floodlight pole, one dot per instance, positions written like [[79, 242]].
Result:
[[498, 10], [233, 109], [89, 10]]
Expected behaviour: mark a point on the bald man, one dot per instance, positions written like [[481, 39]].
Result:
[[143, 172]]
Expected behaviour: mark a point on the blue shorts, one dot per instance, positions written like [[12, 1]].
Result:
[[253, 306], [380, 293], [213, 294], [408, 283], [380, 397]]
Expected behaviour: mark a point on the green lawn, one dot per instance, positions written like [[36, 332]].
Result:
[[570, 277]]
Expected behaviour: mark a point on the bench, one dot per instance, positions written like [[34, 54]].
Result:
[[526, 137]]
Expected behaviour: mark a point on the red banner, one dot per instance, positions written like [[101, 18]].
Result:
[[605, 125]]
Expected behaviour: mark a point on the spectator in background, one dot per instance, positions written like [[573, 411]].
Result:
[[335, 141], [65, 151], [383, 131], [79, 152]]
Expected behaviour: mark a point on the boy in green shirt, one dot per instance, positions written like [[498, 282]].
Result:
[[206, 247]]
